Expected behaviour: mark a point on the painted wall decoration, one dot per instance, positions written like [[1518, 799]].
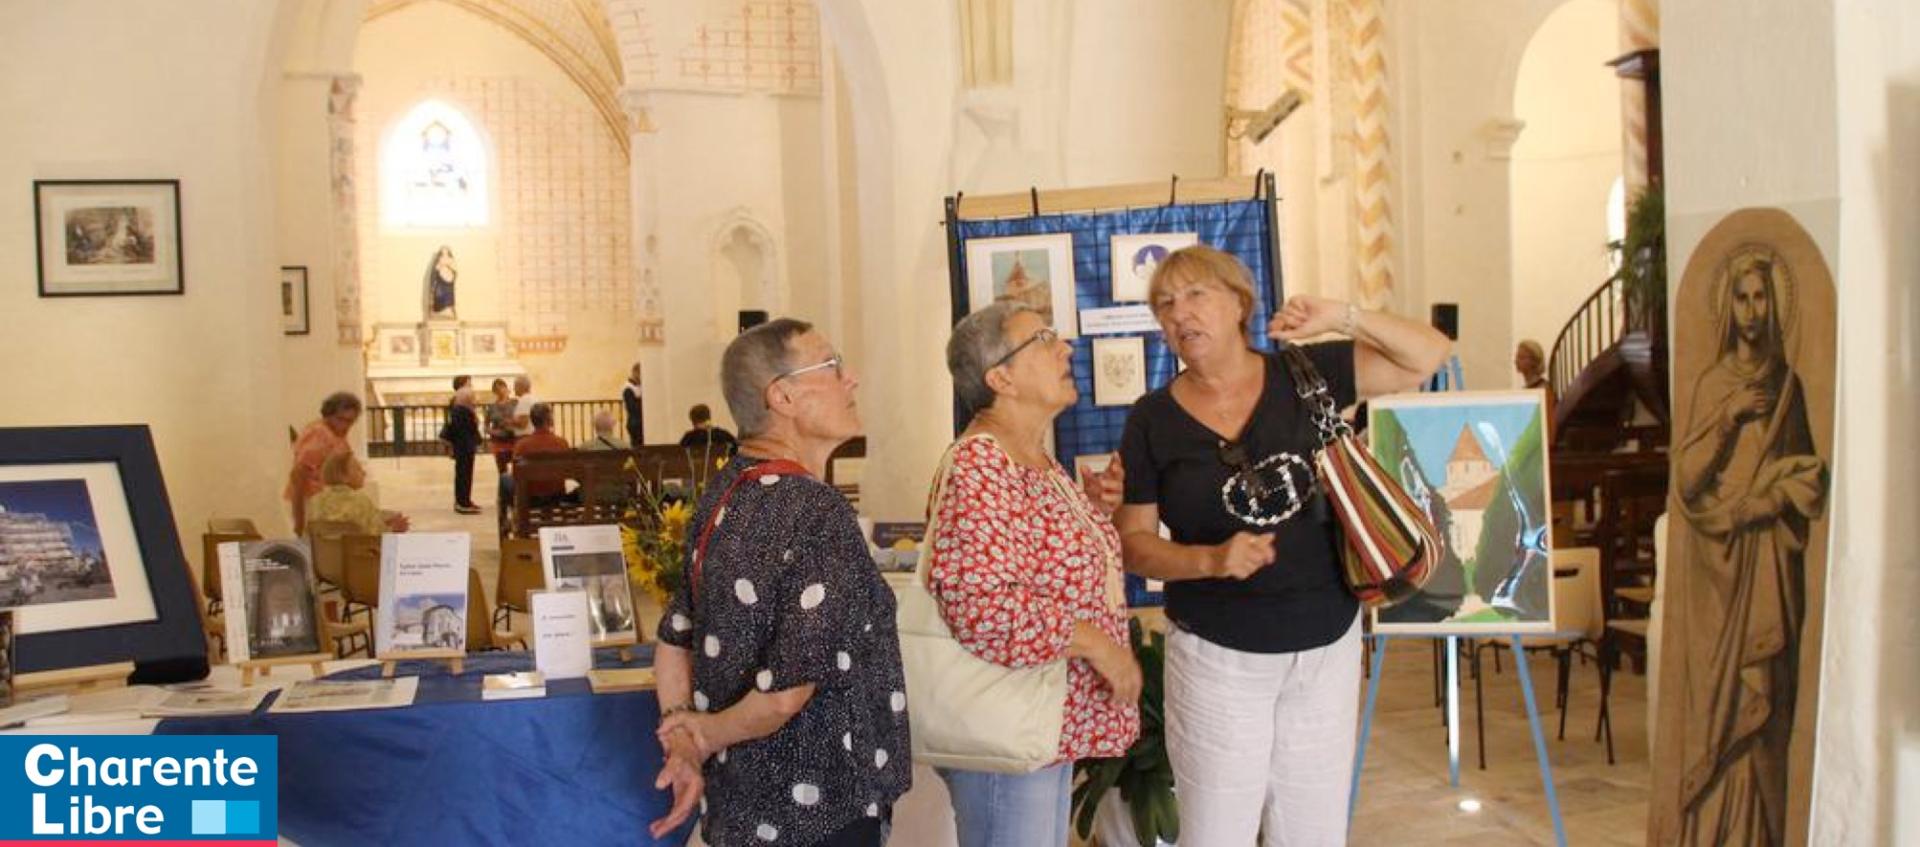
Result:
[[1475, 460], [1753, 378]]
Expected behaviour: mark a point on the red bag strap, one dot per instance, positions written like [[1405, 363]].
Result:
[[771, 467]]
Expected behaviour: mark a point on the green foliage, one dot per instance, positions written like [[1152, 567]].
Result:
[[1643, 257], [1144, 775]]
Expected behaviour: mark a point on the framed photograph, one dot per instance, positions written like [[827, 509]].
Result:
[[293, 300], [108, 237], [1036, 270], [1119, 370], [1133, 259], [90, 561], [1476, 461]]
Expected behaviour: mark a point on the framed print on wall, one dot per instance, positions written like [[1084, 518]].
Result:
[[1033, 270], [293, 300], [108, 237]]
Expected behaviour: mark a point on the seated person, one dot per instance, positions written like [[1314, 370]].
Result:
[[541, 440], [704, 434], [341, 499], [603, 437]]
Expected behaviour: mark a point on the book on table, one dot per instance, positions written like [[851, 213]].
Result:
[[423, 593], [589, 559], [513, 686], [269, 599]]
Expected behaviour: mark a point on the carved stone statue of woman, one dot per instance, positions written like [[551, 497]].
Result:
[[438, 286]]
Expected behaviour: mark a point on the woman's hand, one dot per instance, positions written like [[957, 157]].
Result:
[[1241, 556], [680, 772], [692, 727], [1306, 316], [395, 521], [1113, 661], [1104, 487]]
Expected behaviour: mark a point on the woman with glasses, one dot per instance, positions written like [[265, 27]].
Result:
[[1027, 569], [1263, 663], [779, 662]]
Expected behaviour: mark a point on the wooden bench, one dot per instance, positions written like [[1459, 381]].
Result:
[[602, 491]]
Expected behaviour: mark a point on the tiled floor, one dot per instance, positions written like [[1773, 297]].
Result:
[[1404, 794]]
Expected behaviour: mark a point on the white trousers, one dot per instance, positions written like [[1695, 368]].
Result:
[[1262, 742]]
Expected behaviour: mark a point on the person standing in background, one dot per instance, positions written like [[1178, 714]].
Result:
[[631, 399], [500, 425], [462, 435]]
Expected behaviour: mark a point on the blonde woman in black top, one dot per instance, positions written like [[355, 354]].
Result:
[[1263, 665]]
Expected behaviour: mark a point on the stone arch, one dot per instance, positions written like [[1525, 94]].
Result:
[[745, 266]]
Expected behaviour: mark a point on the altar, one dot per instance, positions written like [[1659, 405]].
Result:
[[415, 363]]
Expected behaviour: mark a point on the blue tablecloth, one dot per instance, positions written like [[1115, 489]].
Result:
[[568, 768]]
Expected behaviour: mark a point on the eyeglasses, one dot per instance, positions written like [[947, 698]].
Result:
[[835, 362], [1046, 335]]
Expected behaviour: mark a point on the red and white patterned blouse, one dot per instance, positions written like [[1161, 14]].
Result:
[[1022, 555]]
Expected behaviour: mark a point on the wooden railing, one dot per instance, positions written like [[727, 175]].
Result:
[[415, 430], [1596, 326]]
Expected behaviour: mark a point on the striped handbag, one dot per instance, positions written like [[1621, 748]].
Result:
[[1390, 545]]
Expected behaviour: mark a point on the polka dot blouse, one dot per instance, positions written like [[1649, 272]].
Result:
[[789, 596]]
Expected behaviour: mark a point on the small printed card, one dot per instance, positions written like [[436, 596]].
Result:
[[562, 635]]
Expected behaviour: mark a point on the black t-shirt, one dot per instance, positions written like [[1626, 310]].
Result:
[[1173, 461]]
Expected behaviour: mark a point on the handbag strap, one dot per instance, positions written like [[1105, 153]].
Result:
[[772, 467], [1313, 391]]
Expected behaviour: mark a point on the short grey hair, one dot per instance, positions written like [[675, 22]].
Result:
[[751, 363], [979, 340], [603, 422], [337, 402]]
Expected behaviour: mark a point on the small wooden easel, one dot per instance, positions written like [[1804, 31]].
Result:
[[455, 659], [265, 666], [73, 680]]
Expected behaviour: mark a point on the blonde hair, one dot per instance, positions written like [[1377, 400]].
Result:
[[1204, 264], [336, 468]]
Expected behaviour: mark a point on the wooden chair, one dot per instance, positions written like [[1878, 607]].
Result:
[[360, 584], [1576, 625], [1631, 503], [481, 634], [520, 573], [215, 619], [327, 540]]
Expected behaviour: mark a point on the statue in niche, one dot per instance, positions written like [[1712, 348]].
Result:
[[1746, 572], [441, 273]]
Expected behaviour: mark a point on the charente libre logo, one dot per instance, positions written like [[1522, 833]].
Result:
[[178, 790]]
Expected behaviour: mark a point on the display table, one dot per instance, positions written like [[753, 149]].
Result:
[[569, 768]]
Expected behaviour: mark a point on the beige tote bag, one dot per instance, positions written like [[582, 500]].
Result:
[[968, 713]]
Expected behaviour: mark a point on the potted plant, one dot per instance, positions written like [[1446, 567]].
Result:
[[1144, 776]]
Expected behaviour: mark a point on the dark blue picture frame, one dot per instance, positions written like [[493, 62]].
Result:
[[173, 646]]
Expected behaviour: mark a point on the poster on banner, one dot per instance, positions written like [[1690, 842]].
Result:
[[1476, 462], [588, 559], [270, 605], [423, 593], [1032, 270], [1134, 258], [1119, 370], [562, 638]]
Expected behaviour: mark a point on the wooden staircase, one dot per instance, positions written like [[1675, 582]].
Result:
[[1609, 355]]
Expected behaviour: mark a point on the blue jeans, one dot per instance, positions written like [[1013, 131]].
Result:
[[1001, 809]]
